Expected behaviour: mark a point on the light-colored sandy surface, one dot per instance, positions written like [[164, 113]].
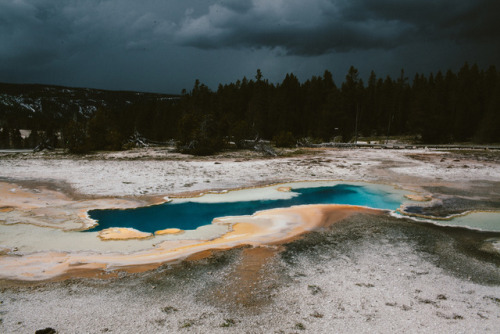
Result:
[[379, 283], [52, 209], [133, 173]]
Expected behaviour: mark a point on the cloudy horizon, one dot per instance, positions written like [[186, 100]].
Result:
[[161, 46]]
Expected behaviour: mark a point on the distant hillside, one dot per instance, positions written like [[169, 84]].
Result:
[[24, 104], [45, 108]]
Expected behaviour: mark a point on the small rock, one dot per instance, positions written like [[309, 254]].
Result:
[[405, 308], [300, 326], [314, 289], [228, 323], [47, 330], [426, 301], [169, 309], [449, 317], [496, 300], [188, 323], [482, 316], [316, 314]]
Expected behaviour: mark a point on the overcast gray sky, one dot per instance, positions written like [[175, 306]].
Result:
[[164, 45]]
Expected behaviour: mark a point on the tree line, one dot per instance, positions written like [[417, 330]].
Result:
[[435, 108]]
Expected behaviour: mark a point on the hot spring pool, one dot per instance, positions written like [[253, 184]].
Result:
[[189, 214]]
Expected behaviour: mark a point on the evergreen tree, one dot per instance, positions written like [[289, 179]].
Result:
[[4, 137], [75, 138], [489, 130], [352, 94], [33, 140], [16, 141]]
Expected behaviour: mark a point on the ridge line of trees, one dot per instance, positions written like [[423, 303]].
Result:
[[438, 108]]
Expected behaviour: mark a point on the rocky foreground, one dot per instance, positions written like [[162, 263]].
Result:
[[367, 273]]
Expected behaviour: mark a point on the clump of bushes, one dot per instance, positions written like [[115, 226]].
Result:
[[284, 139]]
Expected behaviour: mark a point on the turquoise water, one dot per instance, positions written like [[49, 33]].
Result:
[[191, 215]]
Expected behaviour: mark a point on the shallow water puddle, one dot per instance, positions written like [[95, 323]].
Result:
[[480, 220]]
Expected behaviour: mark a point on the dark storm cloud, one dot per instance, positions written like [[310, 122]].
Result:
[[460, 20], [320, 26], [23, 34], [159, 45], [38, 32]]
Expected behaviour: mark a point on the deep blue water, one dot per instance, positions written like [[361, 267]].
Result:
[[190, 215]]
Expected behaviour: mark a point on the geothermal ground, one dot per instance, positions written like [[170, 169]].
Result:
[[367, 272]]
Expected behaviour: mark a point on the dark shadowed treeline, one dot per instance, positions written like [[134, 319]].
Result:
[[437, 108]]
